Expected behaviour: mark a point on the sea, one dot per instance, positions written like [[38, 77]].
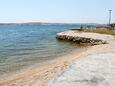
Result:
[[27, 45]]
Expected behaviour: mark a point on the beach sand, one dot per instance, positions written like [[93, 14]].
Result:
[[49, 74], [39, 76], [95, 69]]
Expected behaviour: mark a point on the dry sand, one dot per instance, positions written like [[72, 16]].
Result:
[[95, 68], [59, 71]]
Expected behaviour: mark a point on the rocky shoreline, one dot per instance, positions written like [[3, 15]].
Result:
[[79, 38]]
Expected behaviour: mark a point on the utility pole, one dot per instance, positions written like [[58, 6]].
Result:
[[110, 17]]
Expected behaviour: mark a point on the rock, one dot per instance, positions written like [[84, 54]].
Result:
[[80, 39]]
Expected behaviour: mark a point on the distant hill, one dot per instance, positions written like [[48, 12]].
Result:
[[42, 23]]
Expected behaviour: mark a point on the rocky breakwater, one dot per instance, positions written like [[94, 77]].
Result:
[[81, 37]]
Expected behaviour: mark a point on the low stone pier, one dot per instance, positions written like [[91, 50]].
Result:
[[81, 38]]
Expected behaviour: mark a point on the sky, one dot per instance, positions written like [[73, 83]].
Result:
[[56, 11]]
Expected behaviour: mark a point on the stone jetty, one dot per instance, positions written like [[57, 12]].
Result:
[[81, 37]]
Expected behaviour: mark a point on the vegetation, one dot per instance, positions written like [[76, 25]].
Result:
[[101, 31]]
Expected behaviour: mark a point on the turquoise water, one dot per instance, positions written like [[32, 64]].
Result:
[[22, 46]]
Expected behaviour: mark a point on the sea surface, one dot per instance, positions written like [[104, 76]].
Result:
[[23, 46]]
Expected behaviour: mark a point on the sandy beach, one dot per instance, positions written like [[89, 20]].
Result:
[[66, 69], [95, 68]]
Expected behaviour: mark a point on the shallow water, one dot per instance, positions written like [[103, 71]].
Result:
[[22, 46]]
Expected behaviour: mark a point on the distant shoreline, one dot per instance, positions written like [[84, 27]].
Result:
[[43, 23]]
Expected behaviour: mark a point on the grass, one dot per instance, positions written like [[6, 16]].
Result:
[[101, 31]]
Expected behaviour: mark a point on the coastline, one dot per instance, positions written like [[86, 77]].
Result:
[[41, 76], [95, 68], [42, 72]]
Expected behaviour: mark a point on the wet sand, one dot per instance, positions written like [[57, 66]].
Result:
[[39, 76]]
